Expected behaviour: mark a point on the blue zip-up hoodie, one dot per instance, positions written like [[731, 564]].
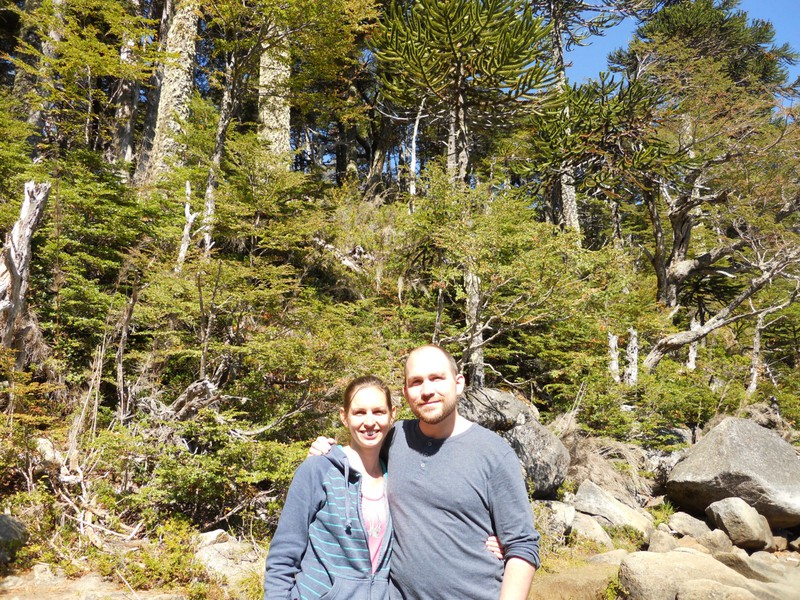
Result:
[[319, 550]]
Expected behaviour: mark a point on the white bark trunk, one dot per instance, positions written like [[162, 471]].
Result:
[[569, 201], [613, 353], [15, 266], [631, 375], [473, 354], [756, 365], [186, 238], [412, 161], [176, 90], [273, 105]]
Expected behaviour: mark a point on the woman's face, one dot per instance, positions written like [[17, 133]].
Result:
[[368, 418]]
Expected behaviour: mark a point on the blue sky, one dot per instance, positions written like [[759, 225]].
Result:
[[783, 14]]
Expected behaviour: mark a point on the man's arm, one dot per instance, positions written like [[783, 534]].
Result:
[[517, 579]]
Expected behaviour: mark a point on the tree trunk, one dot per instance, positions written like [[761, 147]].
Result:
[[412, 160], [613, 353], [658, 257], [225, 117], [123, 399], [756, 365], [569, 202], [458, 140], [15, 266], [273, 106], [186, 238], [631, 375], [175, 94], [474, 366], [153, 95], [126, 98]]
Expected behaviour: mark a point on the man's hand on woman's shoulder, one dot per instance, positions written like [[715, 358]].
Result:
[[320, 446]]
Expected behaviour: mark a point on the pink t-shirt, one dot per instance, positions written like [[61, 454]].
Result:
[[375, 511]]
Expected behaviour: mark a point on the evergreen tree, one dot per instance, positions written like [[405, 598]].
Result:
[[477, 62]]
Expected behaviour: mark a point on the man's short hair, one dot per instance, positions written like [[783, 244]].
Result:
[[450, 360]]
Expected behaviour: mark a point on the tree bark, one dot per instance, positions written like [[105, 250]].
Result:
[[569, 202], [756, 365], [473, 353], [273, 105], [631, 375], [177, 83], [123, 399], [154, 95], [15, 266], [186, 238], [613, 353], [691, 361], [127, 101], [458, 139], [412, 160], [225, 117]]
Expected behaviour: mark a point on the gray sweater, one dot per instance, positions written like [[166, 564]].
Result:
[[446, 497]]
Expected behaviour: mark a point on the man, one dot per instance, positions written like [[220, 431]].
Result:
[[451, 484]]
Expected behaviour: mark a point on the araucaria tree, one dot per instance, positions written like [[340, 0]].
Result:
[[477, 63]]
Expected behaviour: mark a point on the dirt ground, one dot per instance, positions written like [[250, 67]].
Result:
[[586, 581]]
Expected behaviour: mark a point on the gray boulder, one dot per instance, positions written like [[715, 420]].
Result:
[[716, 541], [554, 518], [593, 500], [225, 557], [661, 542], [587, 527], [660, 576], [740, 458], [758, 569], [544, 458], [612, 557], [744, 526], [13, 535], [685, 524], [706, 589]]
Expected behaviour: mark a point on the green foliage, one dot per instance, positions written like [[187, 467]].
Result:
[[15, 164], [614, 590], [79, 62], [661, 512], [165, 564], [626, 537]]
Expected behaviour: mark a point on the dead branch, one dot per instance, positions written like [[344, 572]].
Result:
[[15, 264]]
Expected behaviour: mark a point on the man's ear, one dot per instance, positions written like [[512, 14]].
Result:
[[460, 382]]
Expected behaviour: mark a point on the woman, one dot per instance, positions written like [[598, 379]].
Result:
[[334, 536]]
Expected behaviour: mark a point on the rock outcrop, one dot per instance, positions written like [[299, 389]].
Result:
[[662, 576], [593, 500], [544, 458], [13, 536], [740, 458], [745, 527]]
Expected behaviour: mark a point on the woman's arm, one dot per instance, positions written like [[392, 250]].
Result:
[[304, 500]]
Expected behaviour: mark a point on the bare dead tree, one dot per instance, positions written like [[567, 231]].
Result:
[[16, 260]]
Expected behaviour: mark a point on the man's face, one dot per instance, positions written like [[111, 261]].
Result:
[[431, 387]]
